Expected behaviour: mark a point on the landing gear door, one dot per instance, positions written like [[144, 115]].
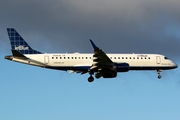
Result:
[[46, 59], [158, 59]]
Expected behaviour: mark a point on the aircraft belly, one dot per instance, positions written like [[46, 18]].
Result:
[[26, 62]]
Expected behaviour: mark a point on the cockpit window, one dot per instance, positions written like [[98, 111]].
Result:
[[166, 58]]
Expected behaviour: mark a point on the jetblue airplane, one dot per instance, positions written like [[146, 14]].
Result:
[[98, 63]]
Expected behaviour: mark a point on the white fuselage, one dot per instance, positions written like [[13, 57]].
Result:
[[63, 61]]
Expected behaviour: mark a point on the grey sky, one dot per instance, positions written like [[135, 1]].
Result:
[[120, 26]]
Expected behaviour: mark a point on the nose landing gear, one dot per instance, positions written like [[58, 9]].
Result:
[[159, 74]]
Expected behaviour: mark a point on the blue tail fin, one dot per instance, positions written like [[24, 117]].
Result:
[[18, 43]]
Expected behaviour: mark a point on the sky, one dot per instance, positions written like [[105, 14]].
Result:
[[116, 26]]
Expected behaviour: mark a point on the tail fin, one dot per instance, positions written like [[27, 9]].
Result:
[[18, 43]]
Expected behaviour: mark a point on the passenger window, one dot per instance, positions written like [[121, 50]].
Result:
[[52, 57]]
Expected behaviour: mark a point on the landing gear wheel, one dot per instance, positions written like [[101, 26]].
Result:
[[97, 75], [159, 76], [90, 79], [159, 72]]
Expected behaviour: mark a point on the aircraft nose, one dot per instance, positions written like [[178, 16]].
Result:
[[175, 65]]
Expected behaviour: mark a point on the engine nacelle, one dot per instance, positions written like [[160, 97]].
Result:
[[109, 74], [112, 72], [122, 67]]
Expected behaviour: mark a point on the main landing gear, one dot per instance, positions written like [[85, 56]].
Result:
[[97, 75], [91, 78], [159, 74]]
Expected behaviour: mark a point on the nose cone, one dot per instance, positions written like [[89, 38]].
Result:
[[175, 65]]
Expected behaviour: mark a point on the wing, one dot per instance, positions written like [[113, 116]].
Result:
[[100, 60]]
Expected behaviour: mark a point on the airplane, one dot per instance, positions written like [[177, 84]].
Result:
[[98, 63]]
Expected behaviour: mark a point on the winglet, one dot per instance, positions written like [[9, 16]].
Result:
[[94, 46]]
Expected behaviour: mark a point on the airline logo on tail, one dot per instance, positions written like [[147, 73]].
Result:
[[21, 48], [19, 44]]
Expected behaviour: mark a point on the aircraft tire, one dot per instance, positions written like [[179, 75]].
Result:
[[159, 76], [90, 79], [97, 75]]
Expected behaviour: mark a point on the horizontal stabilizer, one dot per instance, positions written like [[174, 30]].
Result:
[[18, 54]]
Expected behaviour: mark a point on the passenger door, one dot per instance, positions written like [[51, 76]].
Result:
[[46, 59], [158, 59]]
